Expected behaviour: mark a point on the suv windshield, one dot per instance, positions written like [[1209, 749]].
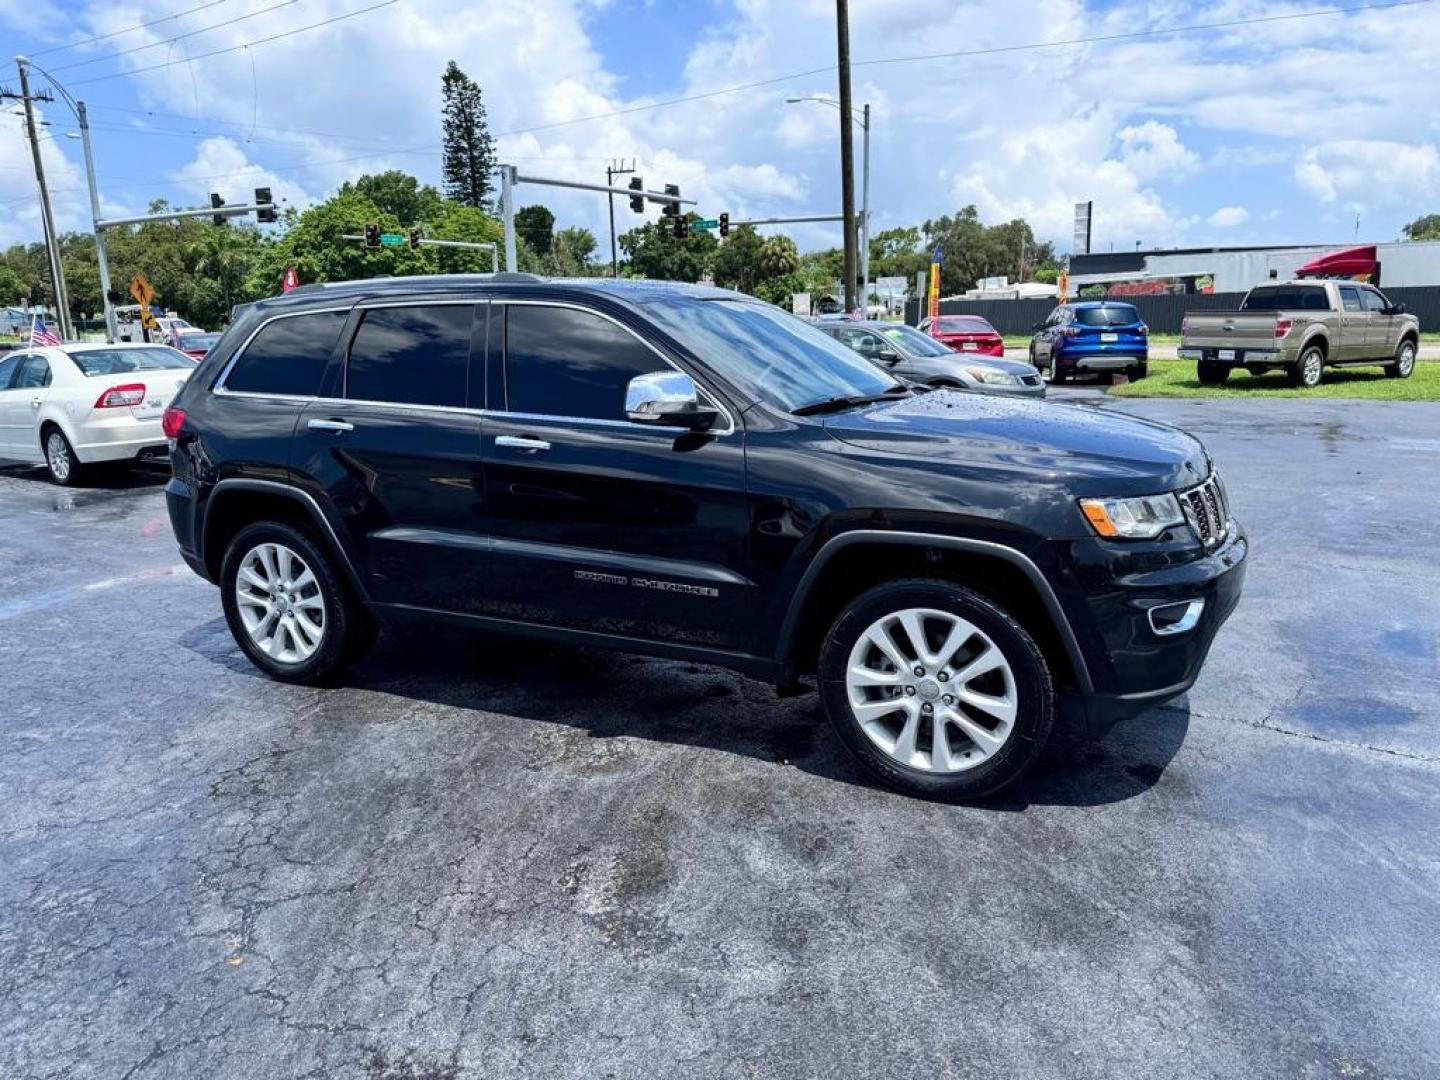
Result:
[[769, 354], [1287, 298], [914, 342], [1116, 315], [124, 361]]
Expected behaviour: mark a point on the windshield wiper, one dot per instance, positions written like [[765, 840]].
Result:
[[848, 401]]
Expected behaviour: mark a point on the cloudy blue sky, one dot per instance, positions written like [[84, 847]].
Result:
[[1267, 133]]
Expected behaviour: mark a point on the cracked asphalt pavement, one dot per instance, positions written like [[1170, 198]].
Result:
[[486, 859]]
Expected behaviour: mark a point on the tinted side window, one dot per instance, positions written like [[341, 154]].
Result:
[[565, 362], [412, 355], [288, 356], [8, 367], [1350, 297], [1373, 300], [34, 374]]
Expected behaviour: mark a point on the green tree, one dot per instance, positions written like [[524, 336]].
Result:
[[12, 285], [971, 250], [779, 256], [469, 153], [652, 251], [536, 225], [1424, 228], [400, 195], [897, 253], [470, 225]]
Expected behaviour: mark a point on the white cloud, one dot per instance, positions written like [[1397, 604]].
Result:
[[1369, 172], [1228, 217], [1152, 151]]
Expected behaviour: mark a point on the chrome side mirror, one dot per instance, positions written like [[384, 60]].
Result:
[[667, 398]]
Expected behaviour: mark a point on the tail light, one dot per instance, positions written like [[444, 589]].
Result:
[[121, 397], [172, 422], [1283, 327], [1071, 331], [1144, 330]]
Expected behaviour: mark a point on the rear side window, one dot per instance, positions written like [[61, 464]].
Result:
[[1350, 297], [1109, 315], [288, 356], [412, 355], [1287, 298], [566, 362]]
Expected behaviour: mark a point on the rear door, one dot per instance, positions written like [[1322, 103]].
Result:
[[1354, 324], [395, 450], [599, 523]]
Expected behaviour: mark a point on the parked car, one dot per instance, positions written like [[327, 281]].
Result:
[[964, 333], [70, 406], [1086, 336], [171, 326], [691, 473], [1303, 327], [920, 358], [195, 343]]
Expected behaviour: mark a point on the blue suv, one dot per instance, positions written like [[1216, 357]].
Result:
[[1091, 336]]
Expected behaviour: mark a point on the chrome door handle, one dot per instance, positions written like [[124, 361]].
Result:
[[339, 427], [527, 443], [35, 403]]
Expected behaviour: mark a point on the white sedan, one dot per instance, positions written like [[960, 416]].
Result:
[[69, 406]]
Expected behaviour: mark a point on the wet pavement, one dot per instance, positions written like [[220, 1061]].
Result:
[[485, 859]]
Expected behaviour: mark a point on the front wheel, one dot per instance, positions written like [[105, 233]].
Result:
[[287, 605], [1306, 372], [1210, 373], [936, 690], [1404, 364]]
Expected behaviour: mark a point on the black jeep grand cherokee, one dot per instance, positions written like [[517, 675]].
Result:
[[692, 473]]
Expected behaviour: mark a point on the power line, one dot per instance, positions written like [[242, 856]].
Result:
[[245, 45], [177, 37], [996, 50], [127, 30]]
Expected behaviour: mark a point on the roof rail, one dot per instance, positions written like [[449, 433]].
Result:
[[512, 275]]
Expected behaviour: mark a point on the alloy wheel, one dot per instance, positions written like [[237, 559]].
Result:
[[1406, 363], [57, 455], [280, 603], [932, 690], [1312, 368]]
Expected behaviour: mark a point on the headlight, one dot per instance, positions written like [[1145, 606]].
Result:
[[1141, 518], [993, 378]]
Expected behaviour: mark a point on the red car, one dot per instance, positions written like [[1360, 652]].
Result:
[[195, 343], [965, 333]]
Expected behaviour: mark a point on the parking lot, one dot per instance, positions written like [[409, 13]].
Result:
[[489, 858]]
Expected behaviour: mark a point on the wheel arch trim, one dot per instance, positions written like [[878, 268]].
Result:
[[880, 537], [295, 495]]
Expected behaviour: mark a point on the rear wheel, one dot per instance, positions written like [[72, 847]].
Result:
[[1306, 372], [60, 460], [1139, 371], [936, 690], [287, 605], [1210, 373], [1404, 364]]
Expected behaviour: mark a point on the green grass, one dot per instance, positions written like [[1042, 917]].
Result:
[[1176, 379]]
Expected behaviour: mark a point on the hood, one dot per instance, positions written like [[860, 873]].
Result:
[[981, 432]]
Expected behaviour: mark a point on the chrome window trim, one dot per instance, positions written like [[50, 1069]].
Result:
[[729, 429], [218, 386]]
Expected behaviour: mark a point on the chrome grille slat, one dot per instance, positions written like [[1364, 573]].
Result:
[[1207, 510]]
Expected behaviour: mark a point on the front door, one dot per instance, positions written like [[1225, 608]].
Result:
[[29, 386], [10, 430], [1381, 340], [598, 523], [395, 447]]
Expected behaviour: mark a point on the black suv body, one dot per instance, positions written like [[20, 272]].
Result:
[[687, 472]]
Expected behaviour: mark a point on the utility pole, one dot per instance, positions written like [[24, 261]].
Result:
[[52, 238], [847, 148], [865, 211], [611, 171], [111, 329]]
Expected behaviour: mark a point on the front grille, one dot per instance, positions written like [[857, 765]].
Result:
[[1208, 510], [1030, 380]]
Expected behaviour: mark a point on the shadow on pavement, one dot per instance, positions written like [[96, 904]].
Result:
[[609, 695], [106, 477]]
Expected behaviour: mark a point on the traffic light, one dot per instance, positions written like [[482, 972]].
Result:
[[681, 227], [372, 236], [672, 209], [414, 238], [724, 225], [637, 202], [266, 212], [217, 201]]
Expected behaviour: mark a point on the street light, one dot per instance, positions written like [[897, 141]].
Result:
[[864, 121]]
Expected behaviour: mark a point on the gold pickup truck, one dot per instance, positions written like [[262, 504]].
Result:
[[1302, 327]]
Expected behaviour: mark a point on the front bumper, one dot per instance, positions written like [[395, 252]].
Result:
[[1152, 638]]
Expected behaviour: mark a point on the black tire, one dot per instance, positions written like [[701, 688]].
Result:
[[1210, 373], [1139, 371], [1057, 376], [1403, 365], [1307, 372], [61, 463], [347, 630], [1031, 679]]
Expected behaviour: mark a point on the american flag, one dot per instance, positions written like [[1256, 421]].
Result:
[[39, 335]]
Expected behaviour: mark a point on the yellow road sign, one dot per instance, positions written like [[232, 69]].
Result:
[[141, 290]]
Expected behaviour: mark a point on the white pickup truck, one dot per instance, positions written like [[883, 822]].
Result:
[[1303, 327]]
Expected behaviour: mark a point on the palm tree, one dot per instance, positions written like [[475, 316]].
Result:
[[779, 256]]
